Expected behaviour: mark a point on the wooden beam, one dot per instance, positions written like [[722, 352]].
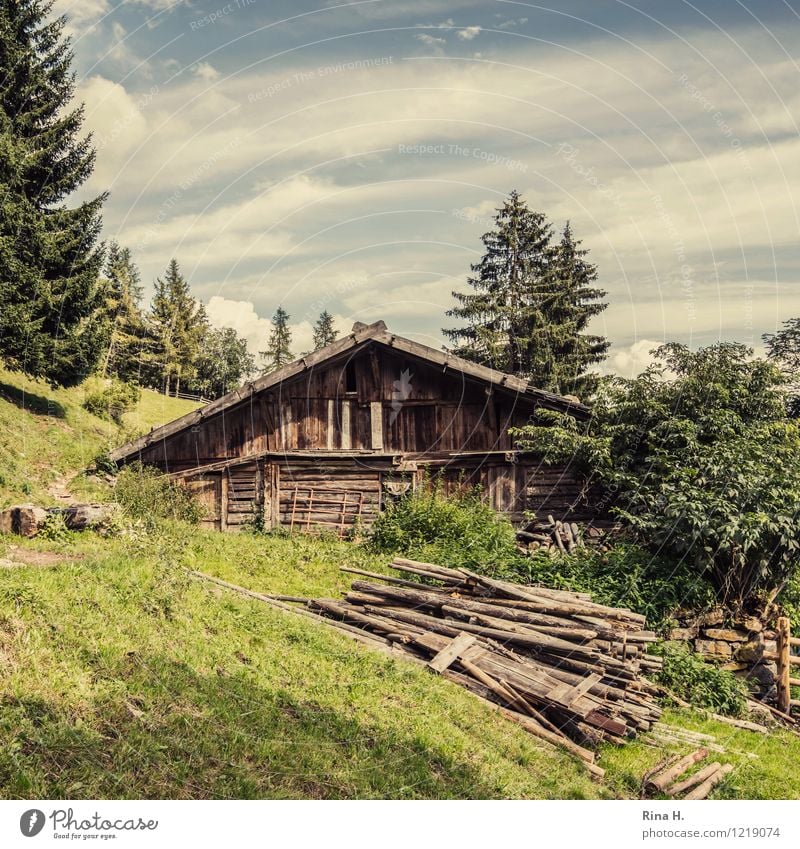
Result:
[[784, 689], [376, 425], [451, 651], [347, 439]]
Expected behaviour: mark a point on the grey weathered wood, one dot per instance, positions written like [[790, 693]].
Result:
[[451, 651]]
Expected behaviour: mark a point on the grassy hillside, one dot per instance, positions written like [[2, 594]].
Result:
[[46, 434], [124, 677]]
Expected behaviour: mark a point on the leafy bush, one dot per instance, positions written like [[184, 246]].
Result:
[[54, 528], [113, 400], [625, 576], [697, 455], [458, 531], [698, 682], [146, 494]]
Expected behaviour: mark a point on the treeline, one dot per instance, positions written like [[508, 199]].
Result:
[[171, 346]]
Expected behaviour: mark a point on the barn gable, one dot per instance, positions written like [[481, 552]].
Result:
[[328, 439]]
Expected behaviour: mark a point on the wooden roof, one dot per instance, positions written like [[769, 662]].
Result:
[[360, 336]]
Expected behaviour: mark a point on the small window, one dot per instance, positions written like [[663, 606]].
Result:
[[350, 377]]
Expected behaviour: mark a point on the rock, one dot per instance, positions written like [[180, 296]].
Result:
[[730, 635], [751, 652], [770, 646], [78, 517], [752, 624], [22, 519], [716, 616], [714, 649], [764, 673], [683, 633], [736, 666]]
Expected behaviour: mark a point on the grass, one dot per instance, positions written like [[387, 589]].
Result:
[[45, 434], [124, 678]]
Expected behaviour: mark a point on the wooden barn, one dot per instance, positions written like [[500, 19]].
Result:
[[328, 440]]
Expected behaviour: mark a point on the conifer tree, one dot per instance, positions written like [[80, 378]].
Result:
[[324, 331], [531, 303], [178, 324], [279, 346], [126, 328], [49, 253], [577, 301]]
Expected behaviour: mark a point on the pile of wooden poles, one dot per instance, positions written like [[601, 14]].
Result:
[[569, 670], [670, 776]]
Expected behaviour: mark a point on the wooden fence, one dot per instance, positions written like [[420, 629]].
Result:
[[786, 660]]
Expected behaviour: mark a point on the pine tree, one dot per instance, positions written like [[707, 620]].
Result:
[[278, 351], [324, 331], [506, 316], [531, 304], [126, 328], [49, 253], [577, 302], [178, 324]]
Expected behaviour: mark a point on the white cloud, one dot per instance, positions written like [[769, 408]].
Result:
[[468, 33], [630, 360], [205, 71], [430, 40]]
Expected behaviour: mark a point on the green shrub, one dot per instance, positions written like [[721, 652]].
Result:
[[54, 528], [113, 400], [458, 531], [625, 576], [698, 682], [146, 494]]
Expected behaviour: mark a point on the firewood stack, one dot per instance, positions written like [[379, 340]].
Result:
[[557, 537], [569, 670]]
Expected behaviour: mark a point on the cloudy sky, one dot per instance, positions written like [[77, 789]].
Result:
[[349, 155]]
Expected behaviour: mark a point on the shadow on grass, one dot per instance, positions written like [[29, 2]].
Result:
[[31, 402], [170, 733]]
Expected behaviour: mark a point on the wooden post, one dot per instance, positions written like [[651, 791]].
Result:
[[376, 425], [784, 691], [223, 501], [275, 495], [346, 442]]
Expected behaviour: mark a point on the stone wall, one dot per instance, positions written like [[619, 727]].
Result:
[[742, 646]]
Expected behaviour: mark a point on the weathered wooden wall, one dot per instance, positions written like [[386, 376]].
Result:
[[376, 400], [301, 493]]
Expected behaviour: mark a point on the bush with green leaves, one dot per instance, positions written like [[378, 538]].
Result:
[[702, 684], [698, 456], [457, 530], [147, 494], [625, 576], [113, 400]]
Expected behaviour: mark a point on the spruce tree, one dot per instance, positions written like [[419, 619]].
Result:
[[279, 346], [49, 253], [531, 303], [577, 301], [178, 325], [324, 331], [126, 328]]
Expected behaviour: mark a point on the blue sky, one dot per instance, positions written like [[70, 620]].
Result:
[[348, 156]]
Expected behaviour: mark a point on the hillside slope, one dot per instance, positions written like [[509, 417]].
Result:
[[46, 434]]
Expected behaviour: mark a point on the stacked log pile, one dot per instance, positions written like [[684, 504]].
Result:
[[569, 670], [672, 777], [563, 537]]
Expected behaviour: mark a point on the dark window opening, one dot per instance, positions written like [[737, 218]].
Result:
[[350, 377]]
